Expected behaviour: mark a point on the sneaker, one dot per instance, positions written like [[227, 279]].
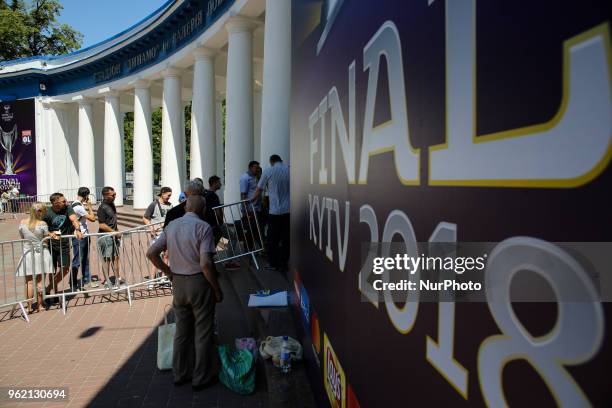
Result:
[[94, 284]]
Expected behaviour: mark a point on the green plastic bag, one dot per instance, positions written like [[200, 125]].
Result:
[[237, 370]]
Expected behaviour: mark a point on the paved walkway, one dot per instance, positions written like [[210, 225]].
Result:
[[105, 352]]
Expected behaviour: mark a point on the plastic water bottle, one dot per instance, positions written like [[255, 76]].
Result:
[[285, 356]]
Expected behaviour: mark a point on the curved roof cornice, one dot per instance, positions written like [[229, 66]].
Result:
[[43, 64]]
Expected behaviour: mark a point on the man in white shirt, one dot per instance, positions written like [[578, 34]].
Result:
[[276, 178], [80, 248]]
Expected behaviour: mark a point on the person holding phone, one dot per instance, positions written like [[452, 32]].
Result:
[[61, 221], [80, 248]]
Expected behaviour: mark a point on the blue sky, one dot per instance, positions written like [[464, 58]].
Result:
[[98, 21]]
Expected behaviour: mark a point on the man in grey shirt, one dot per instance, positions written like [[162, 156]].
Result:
[[190, 245], [157, 210]]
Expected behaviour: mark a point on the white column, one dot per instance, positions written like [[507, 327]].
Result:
[[257, 125], [220, 138], [172, 151], [122, 129], [276, 81], [239, 105], [203, 123], [113, 156], [184, 104], [143, 146], [87, 158]]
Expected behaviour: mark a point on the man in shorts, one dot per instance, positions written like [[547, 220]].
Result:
[[108, 245]]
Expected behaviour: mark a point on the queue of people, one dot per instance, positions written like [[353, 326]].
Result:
[[62, 222], [183, 251]]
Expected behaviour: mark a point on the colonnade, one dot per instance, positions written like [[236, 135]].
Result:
[[207, 138]]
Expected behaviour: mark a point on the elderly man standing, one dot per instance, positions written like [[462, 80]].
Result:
[[192, 187], [190, 245]]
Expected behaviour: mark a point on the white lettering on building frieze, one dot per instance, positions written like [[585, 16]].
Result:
[[154, 52]]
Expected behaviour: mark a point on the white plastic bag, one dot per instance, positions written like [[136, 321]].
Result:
[[271, 347], [165, 344]]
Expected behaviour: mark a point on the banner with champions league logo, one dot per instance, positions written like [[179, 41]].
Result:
[[17, 146]]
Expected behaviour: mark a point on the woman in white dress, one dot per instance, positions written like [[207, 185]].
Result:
[[36, 258]]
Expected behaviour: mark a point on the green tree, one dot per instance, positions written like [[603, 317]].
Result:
[[31, 28], [156, 131]]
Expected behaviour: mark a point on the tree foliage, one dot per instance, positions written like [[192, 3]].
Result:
[[156, 131], [31, 28]]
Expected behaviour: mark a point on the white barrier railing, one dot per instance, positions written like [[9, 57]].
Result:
[[67, 266], [18, 257], [240, 233]]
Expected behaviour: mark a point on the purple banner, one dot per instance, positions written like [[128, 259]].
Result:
[[18, 147]]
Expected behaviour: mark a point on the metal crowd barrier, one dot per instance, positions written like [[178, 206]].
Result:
[[18, 257], [23, 204], [116, 263], [238, 227], [118, 260]]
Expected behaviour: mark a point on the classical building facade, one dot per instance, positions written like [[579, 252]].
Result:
[[202, 52]]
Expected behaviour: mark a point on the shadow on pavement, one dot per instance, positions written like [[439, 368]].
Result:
[[138, 383]]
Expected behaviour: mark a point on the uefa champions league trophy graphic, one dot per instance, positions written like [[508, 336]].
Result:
[[7, 140]]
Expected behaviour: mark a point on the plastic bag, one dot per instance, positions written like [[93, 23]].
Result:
[[165, 344], [247, 343], [271, 347], [237, 370]]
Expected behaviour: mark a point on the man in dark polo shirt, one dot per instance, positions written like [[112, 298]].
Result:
[[190, 245], [212, 201], [108, 245]]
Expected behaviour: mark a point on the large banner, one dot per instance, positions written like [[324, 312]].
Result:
[[18, 146], [469, 121]]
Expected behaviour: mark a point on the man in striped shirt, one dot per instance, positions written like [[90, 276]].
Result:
[[276, 178]]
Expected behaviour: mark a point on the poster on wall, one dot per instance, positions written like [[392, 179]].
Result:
[[18, 147], [456, 121]]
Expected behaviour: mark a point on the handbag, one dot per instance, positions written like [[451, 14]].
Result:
[[165, 343]]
